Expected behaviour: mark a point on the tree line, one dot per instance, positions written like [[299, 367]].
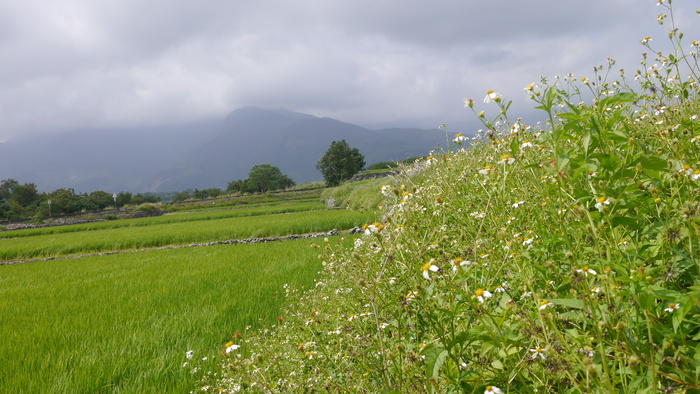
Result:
[[21, 201]]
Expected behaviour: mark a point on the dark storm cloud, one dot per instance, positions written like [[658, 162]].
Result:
[[70, 64]]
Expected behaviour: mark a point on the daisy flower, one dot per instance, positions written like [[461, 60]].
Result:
[[538, 352], [491, 95], [585, 271], [601, 203], [427, 268], [482, 295]]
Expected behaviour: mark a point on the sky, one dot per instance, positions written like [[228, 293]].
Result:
[[376, 63]]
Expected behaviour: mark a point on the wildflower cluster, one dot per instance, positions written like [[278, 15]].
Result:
[[554, 258]]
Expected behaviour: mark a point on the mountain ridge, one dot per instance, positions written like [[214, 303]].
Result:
[[199, 155]]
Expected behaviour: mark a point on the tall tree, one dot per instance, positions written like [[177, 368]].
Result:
[[266, 177], [340, 163]]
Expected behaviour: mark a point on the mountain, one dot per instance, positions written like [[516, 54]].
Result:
[[99, 159], [292, 141], [198, 155]]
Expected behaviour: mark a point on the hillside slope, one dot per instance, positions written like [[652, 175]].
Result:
[[552, 259]]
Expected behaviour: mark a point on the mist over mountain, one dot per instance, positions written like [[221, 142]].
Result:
[[199, 155]]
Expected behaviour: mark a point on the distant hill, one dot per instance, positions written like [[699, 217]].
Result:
[[202, 155]]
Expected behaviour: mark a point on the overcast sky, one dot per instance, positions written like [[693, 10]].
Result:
[[105, 63]]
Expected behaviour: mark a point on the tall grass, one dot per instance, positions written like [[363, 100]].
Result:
[[123, 323], [557, 258]]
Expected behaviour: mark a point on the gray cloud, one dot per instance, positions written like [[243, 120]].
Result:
[[72, 64]]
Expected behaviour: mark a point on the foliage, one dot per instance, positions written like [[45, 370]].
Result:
[[181, 196], [360, 195], [340, 162], [261, 178], [386, 165], [142, 198], [63, 201], [17, 199], [123, 198], [265, 177], [559, 258]]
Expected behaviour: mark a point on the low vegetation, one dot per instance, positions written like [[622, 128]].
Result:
[[152, 321], [125, 323], [558, 258], [112, 238]]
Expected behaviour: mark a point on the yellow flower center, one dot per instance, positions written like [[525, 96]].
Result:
[[544, 302], [458, 135], [489, 91], [426, 266], [479, 292], [602, 199]]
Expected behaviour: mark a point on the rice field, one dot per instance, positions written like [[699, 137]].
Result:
[[179, 217], [125, 322], [100, 237]]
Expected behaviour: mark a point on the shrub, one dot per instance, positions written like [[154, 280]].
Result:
[[558, 258]]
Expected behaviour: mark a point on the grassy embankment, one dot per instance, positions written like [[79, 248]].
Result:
[[557, 258], [125, 322]]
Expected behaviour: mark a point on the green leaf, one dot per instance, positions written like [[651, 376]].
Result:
[[514, 147], [697, 361], [586, 142], [646, 300], [680, 313], [434, 358], [568, 302], [616, 99], [459, 339], [610, 162], [626, 221], [665, 294]]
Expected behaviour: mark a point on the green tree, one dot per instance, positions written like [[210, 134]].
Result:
[[235, 186], [123, 198], [266, 177], [340, 163], [99, 200], [24, 195], [213, 192], [182, 196], [64, 201]]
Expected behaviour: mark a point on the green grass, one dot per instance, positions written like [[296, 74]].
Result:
[[179, 233], [180, 217], [291, 195], [361, 195], [123, 323]]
